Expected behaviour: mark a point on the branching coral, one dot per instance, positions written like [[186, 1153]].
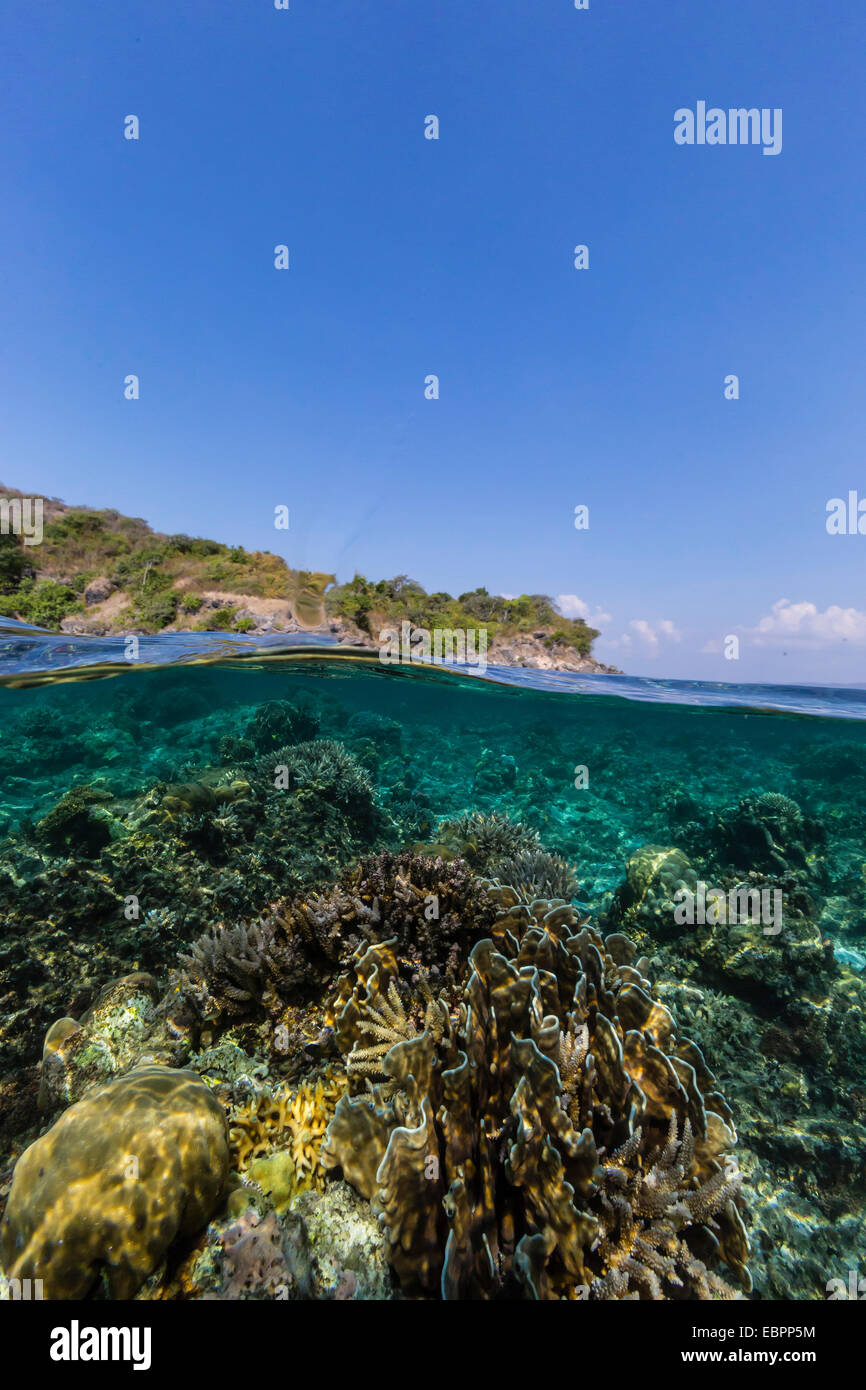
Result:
[[537, 874], [290, 1121], [432, 910], [486, 840], [326, 768]]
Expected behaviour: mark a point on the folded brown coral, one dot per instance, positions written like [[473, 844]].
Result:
[[551, 1132]]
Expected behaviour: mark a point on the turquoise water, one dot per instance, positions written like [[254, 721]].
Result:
[[143, 805]]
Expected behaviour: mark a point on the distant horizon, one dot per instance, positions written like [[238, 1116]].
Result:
[[560, 601], [436, 279]]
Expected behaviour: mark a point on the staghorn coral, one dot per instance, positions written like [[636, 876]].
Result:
[[537, 874], [487, 839], [552, 1132], [643, 1214], [327, 770], [287, 1124], [74, 825], [108, 1188]]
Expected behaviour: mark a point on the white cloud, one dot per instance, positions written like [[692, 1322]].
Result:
[[804, 624], [647, 638], [570, 606]]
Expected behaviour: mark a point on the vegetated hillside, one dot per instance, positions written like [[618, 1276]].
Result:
[[101, 571], [374, 606]]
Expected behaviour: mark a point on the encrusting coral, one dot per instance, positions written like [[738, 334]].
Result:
[[116, 1179], [552, 1133]]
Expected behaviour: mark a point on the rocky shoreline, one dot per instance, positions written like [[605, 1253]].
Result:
[[266, 617]]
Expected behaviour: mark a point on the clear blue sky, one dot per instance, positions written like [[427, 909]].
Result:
[[454, 257]]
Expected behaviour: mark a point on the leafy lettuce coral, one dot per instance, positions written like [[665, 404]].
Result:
[[554, 1134]]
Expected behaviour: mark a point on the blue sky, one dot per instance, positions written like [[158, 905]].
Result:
[[410, 257]]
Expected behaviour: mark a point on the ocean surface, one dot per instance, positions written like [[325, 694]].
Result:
[[265, 867]]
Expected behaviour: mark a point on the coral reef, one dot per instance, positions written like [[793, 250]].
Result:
[[554, 1134], [431, 909], [125, 882], [146, 818]]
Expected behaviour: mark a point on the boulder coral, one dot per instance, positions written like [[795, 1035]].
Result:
[[121, 1174], [552, 1135]]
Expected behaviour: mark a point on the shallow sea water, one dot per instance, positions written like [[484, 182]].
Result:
[[120, 846]]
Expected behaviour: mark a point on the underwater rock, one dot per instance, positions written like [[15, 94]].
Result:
[[767, 833], [279, 723], [385, 733], [647, 898], [537, 874], [328, 1247], [116, 1179], [73, 826], [494, 773], [186, 798], [347, 1247], [108, 1038], [554, 1135]]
